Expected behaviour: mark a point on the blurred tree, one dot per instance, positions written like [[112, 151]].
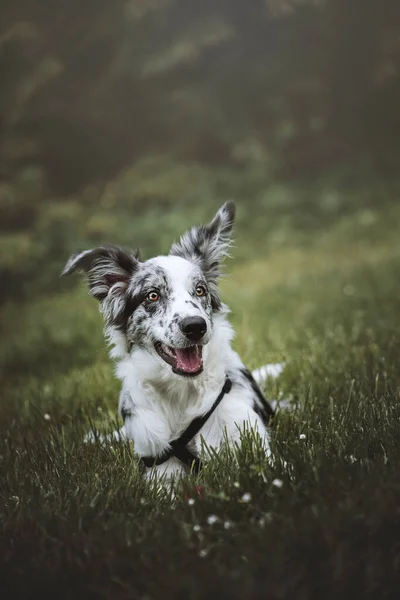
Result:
[[91, 90], [90, 87]]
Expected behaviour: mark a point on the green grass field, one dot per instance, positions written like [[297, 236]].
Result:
[[317, 288]]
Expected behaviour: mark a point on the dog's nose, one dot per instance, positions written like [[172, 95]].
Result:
[[194, 328]]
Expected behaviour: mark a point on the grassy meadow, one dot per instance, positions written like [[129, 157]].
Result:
[[315, 283]]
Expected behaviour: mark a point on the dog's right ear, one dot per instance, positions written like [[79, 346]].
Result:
[[106, 267], [207, 246]]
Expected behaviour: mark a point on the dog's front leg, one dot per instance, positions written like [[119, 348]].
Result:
[[164, 475]]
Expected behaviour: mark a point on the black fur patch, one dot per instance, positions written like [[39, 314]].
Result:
[[126, 406], [125, 413], [121, 321], [215, 302], [261, 405]]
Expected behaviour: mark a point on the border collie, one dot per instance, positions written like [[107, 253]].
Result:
[[182, 383]]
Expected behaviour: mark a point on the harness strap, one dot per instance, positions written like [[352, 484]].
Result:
[[178, 447]]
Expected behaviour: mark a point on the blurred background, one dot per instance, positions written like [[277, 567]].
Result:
[[128, 121]]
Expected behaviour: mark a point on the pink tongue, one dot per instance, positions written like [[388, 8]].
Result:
[[188, 359]]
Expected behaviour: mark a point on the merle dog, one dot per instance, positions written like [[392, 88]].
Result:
[[181, 380]]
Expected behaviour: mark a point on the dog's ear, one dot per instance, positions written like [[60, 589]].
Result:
[[106, 268], [207, 245]]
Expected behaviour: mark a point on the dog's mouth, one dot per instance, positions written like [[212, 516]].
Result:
[[184, 361]]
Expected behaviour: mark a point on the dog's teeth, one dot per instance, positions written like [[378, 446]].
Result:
[[167, 350]]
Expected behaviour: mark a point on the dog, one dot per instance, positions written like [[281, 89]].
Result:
[[184, 388]]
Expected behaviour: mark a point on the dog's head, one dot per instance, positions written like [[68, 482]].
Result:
[[164, 305]]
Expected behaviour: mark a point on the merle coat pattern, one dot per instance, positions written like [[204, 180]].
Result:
[[168, 330]]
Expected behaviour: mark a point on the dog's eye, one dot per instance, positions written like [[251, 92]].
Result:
[[200, 290], [152, 296]]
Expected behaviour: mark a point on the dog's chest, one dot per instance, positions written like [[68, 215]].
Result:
[[153, 424]]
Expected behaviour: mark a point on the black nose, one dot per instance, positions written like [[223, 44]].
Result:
[[194, 328]]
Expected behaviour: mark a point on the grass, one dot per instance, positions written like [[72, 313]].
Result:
[[78, 521]]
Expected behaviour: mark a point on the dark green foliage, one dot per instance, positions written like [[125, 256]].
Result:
[[296, 85]]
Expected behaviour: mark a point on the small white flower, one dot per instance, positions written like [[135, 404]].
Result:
[[267, 518], [46, 417], [302, 436], [352, 458], [246, 497], [236, 484], [191, 501], [196, 528], [227, 525], [203, 553], [211, 519], [277, 483]]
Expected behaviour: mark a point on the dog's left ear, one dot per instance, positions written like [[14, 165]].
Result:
[[207, 245]]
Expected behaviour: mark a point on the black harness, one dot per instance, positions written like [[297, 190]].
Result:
[[178, 448]]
